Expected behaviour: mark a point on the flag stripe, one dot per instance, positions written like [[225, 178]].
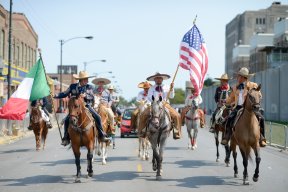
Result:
[[194, 57], [24, 89], [14, 109]]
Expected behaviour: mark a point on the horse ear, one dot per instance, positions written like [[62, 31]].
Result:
[[259, 87], [160, 98], [153, 98]]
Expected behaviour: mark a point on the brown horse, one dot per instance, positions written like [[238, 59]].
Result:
[[82, 133], [220, 120], [107, 128], [247, 134], [39, 127]]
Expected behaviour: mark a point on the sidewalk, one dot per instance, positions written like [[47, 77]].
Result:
[[8, 139]]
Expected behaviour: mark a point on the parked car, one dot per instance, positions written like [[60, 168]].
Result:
[[125, 128]]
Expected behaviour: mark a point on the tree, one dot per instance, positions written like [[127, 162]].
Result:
[[179, 97], [208, 82]]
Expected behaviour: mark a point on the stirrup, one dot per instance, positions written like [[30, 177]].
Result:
[[263, 143]]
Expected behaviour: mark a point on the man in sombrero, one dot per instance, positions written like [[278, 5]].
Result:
[[83, 89], [221, 94], [157, 90], [237, 97], [142, 97], [104, 96]]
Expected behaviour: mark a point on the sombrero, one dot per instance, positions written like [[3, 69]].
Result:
[[157, 74], [244, 72], [82, 75], [111, 87], [101, 79], [144, 85], [224, 77]]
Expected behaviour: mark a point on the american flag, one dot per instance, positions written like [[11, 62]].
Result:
[[194, 57]]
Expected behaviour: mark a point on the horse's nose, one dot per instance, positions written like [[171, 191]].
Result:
[[256, 107], [155, 121]]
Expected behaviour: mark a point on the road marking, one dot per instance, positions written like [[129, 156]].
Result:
[[139, 168]]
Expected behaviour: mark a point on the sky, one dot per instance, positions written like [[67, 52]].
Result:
[[137, 37]]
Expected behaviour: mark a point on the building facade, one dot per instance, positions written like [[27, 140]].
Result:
[[240, 30]]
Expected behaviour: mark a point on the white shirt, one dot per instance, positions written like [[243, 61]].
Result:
[[141, 96], [240, 99], [188, 101], [164, 93]]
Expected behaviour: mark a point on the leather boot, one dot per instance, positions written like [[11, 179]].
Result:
[[66, 138]]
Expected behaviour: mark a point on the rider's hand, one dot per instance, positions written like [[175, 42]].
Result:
[[171, 85], [83, 95]]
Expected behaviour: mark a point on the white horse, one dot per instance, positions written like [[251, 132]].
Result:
[[144, 144], [159, 128], [192, 121]]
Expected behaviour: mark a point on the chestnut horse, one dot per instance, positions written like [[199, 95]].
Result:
[[82, 133], [220, 120], [247, 134], [39, 127]]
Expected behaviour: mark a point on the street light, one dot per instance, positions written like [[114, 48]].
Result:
[[85, 63], [62, 42], [97, 74]]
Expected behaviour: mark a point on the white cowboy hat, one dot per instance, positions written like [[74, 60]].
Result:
[[244, 72], [101, 79], [157, 74], [82, 75], [110, 87], [224, 77], [144, 85]]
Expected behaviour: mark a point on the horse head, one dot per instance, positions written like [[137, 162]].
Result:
[[35, 114], [76, 108], [157, 111], [254, 99]]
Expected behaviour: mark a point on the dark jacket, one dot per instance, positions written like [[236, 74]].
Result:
[[218, 94], [75, 90]]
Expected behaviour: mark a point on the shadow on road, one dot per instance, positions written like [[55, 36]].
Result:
[[17, 151], [116, 176], [38, 179], [194, 163]]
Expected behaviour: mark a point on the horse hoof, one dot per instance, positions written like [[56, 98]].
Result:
[[255, 179], [77, 180], [142, 158], [99, 153], [228, 164], [104, 162], [147, 158], [158, 177], [90, 174], [217, 160], [245, 182], [193, 148], [235, 175]]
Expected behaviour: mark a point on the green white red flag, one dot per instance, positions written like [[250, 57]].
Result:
[[34, 86]]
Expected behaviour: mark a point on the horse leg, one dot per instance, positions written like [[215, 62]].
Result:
[[245, 164], [89, 162], [78, 166], [189, 137], [146, 149], [227, 153], [44, 136], [194, 144], [235, 162], [154, 161], [103, 153], [258, 160], [37, 138], [139, 146], [217, 145]]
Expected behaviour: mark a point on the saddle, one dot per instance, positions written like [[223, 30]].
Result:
[[219, 119]]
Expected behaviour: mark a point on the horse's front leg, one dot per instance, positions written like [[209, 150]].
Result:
[[258, 160], [104, 153], [89, 162], [227, 155], [139, 146], [78, 167], [245, 164], [216, 134], [194, 143]]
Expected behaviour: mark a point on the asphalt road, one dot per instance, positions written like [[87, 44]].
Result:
[[53, 169]]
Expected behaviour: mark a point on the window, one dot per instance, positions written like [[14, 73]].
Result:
[[263, 21], [2, 44], [256, 21]]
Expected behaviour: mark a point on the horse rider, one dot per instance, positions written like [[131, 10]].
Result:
[[85, 90], [191, 100], [157, 90], [114, 100], [237, 97], [221, 94], [104, 96], [44, 112], [142, 96]]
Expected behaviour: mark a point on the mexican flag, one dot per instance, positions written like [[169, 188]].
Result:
[[34, 86]]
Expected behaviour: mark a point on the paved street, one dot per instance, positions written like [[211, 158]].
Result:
[[24, 169]]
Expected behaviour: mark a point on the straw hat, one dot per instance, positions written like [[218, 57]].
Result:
[[224, 77], [144, 85], [157, 74], [110, 87], [82, 75], [244, 72], [101, 79]]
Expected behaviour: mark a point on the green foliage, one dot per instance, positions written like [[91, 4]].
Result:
[[179, 97], [208, 82]]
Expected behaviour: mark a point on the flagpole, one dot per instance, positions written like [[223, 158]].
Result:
[[172, 82], [39, 50]]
